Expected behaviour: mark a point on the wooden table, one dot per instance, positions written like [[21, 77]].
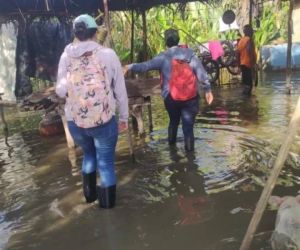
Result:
[[139, 93]]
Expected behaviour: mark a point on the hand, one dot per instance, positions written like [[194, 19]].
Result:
[[123, 126], [125, 69], [209, 97]]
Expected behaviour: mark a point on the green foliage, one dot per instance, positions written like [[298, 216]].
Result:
[[268, 30], [282, 20], [230, 35], [38, 84], [194, 26], [197, 23], [272, 26]]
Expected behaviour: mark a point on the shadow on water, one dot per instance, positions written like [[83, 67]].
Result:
[[167, 199]]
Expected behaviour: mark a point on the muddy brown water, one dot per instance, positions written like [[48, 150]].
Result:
[[166, 199]]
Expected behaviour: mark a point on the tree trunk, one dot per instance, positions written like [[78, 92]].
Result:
[[250, 11], [107, 24], [277, 5], [243, 16]]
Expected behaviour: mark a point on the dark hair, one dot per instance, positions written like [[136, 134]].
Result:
[[82, 32], [171, 37], [248, 31]]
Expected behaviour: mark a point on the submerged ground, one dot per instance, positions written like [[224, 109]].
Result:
[[166, 199]]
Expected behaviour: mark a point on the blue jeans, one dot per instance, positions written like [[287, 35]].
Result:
[[184, 110], [98, 145]]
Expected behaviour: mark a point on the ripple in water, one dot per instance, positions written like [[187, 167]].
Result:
[[225, 157], [25, 169]]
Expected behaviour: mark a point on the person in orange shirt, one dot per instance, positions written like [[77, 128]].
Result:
[[247, 57]]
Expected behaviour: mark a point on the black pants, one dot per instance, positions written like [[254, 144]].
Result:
[[184, 110], [247, 79]]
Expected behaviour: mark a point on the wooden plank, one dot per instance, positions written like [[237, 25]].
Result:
[[7, 103], [143, 87], [135, 88], [281, 157]]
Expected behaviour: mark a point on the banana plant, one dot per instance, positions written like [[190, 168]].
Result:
[[269, 29], [199, 24]]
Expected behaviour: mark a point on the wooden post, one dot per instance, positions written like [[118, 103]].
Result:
[[130, 143], [47, 5], [145, 50], [150, 116], [107, 24], [69, 138], [144, 35], [73, 158], [277, 5], [132, 41], [5, 126], [289, 48], [281, 157], [132, 37]]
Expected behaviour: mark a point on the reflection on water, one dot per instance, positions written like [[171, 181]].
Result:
[[167, 199]]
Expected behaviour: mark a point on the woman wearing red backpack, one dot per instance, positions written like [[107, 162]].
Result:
[[181, 71]]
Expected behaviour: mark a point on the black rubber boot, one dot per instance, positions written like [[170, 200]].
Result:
[[172, 135], [247, 90], [189, 143], [90, 187], [107, 196]]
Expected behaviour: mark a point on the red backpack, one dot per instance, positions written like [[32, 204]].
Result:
[[183, 81]]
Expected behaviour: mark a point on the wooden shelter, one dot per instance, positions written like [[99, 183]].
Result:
[[11, 8], [78, 6]]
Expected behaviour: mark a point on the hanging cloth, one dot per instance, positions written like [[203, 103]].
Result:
[[8, 44], [216, 49]]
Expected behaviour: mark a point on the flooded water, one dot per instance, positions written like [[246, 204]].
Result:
[[166, 198]]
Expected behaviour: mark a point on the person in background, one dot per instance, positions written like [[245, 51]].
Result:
[[181, 71], [90, 77], [247, 58]]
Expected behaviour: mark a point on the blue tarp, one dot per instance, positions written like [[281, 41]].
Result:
[[274, 56]]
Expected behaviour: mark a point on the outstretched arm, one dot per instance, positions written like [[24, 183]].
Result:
[[153, 64]]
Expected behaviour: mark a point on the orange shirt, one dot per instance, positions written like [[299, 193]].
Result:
[[247, 52]]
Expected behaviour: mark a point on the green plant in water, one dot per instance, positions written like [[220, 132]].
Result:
[[21, 121]]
